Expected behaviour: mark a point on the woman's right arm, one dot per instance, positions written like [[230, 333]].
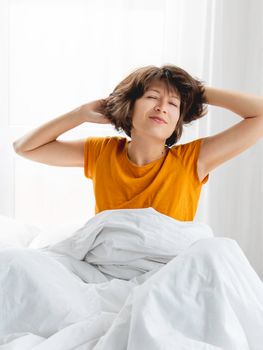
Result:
[[41, 144]]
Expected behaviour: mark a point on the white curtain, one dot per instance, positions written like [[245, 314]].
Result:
[[56, 55], [234, 60]]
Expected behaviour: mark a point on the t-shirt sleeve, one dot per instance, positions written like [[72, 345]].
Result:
[[189, 153], [93, 147]]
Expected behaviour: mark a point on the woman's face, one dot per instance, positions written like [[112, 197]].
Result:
[[156, 102]]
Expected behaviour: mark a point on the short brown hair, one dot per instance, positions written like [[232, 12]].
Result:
[[119, 105]]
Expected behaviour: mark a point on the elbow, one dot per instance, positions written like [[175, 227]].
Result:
[[16, 147]]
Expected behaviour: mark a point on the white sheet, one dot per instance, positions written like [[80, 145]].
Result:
[[131, 279]]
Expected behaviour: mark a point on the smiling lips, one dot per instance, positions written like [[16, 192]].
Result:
[[158, 120]]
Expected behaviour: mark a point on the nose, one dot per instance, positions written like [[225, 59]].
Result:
[[160, 107]]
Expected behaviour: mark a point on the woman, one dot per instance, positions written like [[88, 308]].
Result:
[[151, 105], [208, 292]]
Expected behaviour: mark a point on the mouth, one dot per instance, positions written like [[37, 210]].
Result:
[[158, 120]]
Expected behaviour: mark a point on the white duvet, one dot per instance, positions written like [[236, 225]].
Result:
[[131, 279]]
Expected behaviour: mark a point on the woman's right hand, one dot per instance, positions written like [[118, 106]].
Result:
[[93, 112]]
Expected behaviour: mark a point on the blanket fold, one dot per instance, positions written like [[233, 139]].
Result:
[[127, 243]]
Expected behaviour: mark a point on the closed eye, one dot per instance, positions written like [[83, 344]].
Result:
[[156, 98]]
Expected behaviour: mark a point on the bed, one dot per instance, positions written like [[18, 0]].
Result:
[[126, 279]]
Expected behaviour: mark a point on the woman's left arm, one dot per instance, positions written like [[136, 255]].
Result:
[[219, 148], [243, 104]]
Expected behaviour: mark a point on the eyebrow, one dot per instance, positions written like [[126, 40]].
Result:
[[159, 93]]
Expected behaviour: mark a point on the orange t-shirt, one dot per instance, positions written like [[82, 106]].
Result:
[[170, 184]]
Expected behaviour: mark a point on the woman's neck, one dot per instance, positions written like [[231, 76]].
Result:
[[145, 154]]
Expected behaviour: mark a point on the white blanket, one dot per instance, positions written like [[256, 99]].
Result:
[[131, 279]]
